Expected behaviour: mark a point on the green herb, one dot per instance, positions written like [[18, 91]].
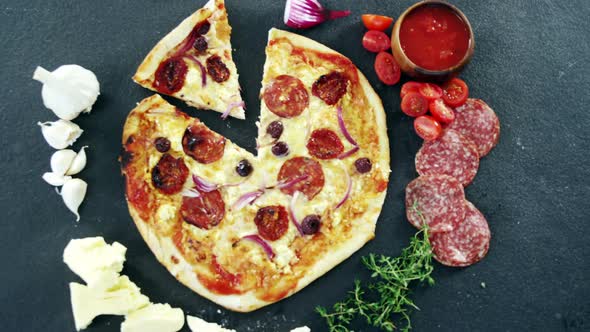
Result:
[[391, 288]]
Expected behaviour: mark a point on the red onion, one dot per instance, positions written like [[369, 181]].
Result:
[[267, 248], [347, 194], [247, 199], [191, 192], [203, 70], [204, 185], [231, 106], [292, 213], [189, 41], [348, 153], [303, 14], [290, 183], [343, 127]]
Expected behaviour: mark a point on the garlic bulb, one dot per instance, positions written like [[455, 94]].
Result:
[[61, 161], [72, 193], [79, 162], [61, 133], [68, 90], [54, 179]]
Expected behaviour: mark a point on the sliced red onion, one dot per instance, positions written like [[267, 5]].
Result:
[[348, 189], [204, 185], [267, 248], [292, 213], [343, 127], [191, 192], [247, 199], [290, 183], [189, 41], [303, 14], [231, 106], [203, 70], [348, 153]]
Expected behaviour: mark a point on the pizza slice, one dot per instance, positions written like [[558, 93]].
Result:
[[246, 231], [194, 63]]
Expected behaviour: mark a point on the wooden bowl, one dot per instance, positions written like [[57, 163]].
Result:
[[413, 70]]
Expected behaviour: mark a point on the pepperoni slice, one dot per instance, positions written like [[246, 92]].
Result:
[[465, 245], [330, 87], [169, 174], [452, 154], [286, 96], [217, 69], [324, 144], [205, 211], [202, 144], [299, 167], [272, 222], [478, 122], [170, 75], [437, 200]]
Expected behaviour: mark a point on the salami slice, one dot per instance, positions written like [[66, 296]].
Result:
[[452, 154], [330, 87], [437, 200], [478, 122], [299, 167], [272, 222], [169, 174], [205, 211], [324, 144], [202, 144], [170, 75], [465, 245], [286, 96]]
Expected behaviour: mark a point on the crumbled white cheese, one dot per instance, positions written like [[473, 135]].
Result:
[[301, 329], [198, 325], [154, 318], [95, 261], [87, 303]]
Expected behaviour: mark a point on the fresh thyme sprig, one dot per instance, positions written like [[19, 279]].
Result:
[[391, 288]]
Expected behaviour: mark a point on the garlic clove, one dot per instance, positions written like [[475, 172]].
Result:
[[61, 161], [54, 179], [78, 163], [68, 90], [72, 193], [61, 133]]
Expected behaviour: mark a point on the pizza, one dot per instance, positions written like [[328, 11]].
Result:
[[194, 63], [247, 230]]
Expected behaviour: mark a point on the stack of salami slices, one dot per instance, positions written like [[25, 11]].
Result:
[[459, 233]]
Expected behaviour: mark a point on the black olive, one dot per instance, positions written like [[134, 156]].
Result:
[[162, 144], [244, 168], [201, 44], [203, 27], [363, 165], [275, 129], [280, 149], [311, 224]]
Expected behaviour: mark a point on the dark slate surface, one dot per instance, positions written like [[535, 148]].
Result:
[[531, 65]]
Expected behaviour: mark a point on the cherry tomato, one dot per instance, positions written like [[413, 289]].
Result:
[[409, 87], [413, 104], [441, 112], [387, 69], [376, 41], [431, 91], [376, 22], [455, 92], [427, 127]]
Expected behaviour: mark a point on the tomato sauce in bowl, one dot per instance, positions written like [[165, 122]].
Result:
[[432, 39]]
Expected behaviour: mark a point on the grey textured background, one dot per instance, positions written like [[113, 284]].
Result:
[[530, 64]]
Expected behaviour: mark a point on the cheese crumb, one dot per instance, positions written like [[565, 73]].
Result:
[[95, 261], [154, 318], [301, 329], [87, 303], [198, 325]]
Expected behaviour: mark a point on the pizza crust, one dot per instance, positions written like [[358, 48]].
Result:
[[194, 97], [168, 255]]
